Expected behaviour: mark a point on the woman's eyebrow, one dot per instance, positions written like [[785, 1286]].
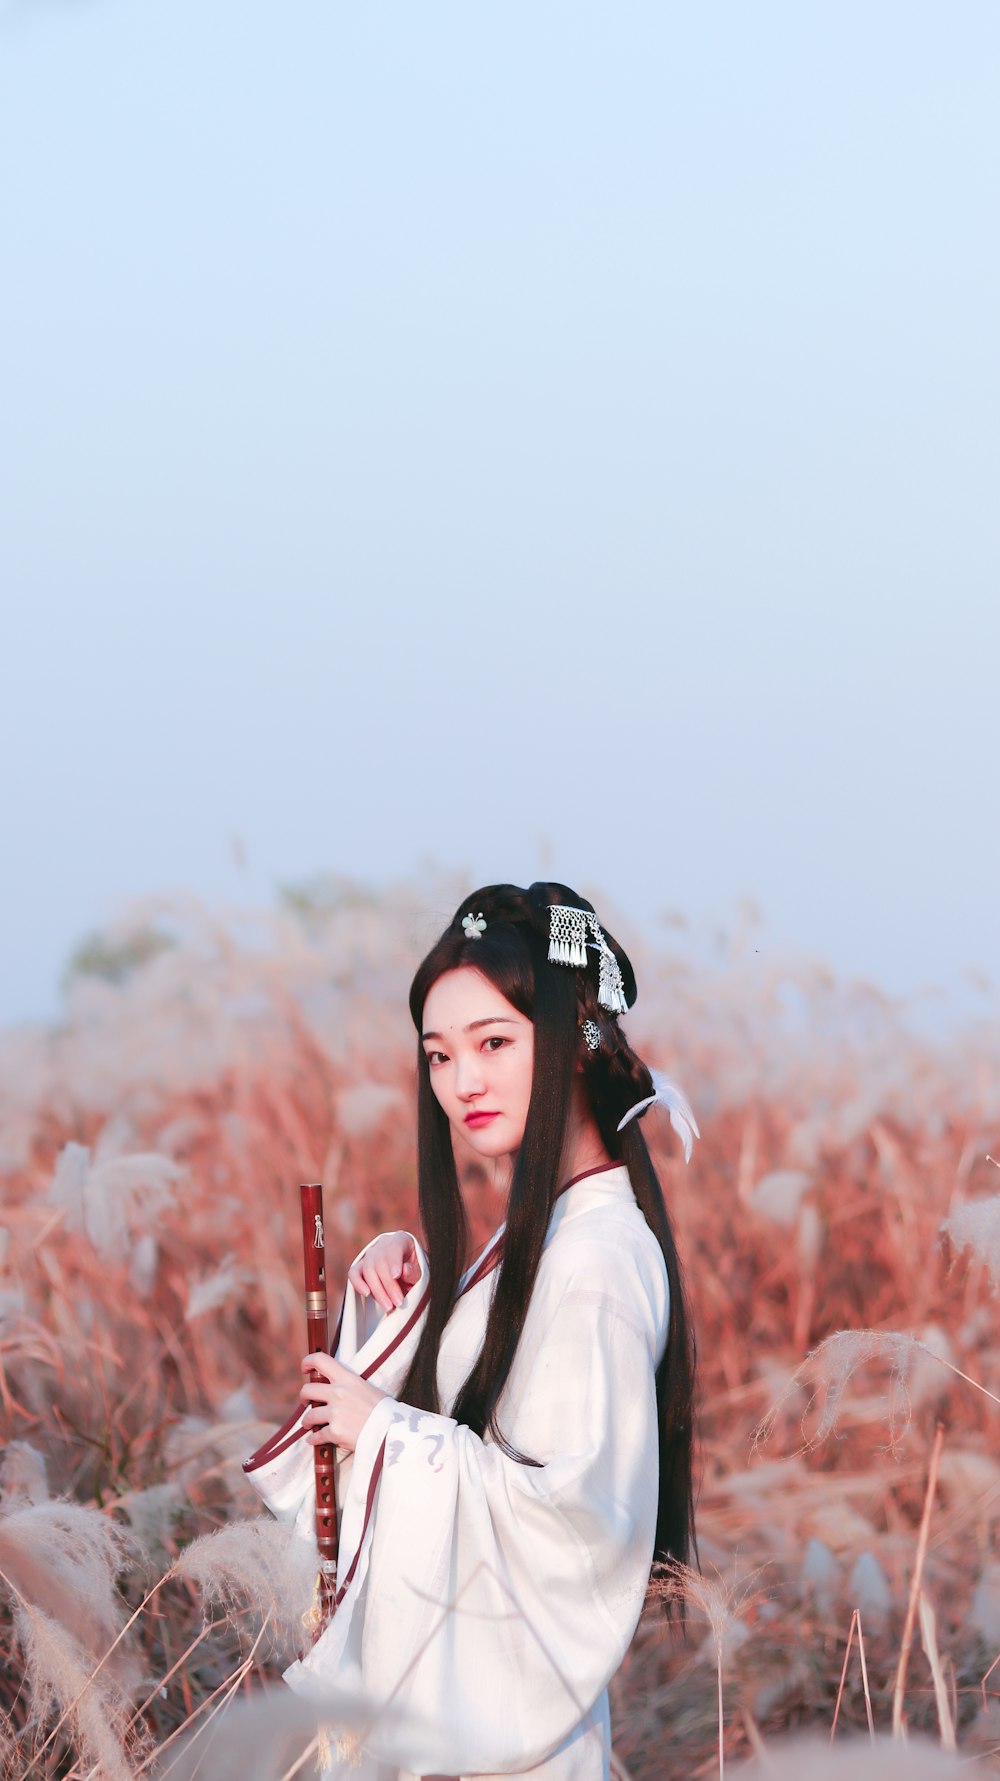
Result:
[[492, 1020]]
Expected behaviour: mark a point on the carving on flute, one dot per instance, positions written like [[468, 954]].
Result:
[[319, 1241]]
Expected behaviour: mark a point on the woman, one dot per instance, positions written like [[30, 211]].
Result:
[[522, 1434]]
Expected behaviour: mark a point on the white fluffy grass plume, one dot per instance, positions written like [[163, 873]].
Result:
[[61, 1681], [111, 1196], [259, 1564], [831, 1366], [23, 1476], [59, 1563], [64, 1560], [976, 1226]]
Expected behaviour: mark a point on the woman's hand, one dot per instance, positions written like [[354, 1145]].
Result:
[[386, 1271], [339, 1404]]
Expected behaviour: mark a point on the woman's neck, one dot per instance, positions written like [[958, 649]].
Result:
[[485, 1190], [584, 1148], [588, 1153]]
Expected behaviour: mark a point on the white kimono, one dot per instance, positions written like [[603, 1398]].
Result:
[[488, 1603]]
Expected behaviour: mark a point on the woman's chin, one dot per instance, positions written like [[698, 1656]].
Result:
[[493, 1140]]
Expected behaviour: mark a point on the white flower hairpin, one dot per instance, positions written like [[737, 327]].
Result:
[[474, 925]]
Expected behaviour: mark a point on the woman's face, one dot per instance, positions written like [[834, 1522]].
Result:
[[480, 1052]]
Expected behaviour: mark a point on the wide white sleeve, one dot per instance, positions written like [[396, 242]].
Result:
[[492, 1600], [283, 1470]]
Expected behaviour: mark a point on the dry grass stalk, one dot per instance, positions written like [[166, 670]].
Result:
[[986, 1678], [864, 1678], [928, 1637], [843, 1674], [299, 1764], [159, 1687], [754, 1738], [8, 1746], [855, 1623], [226, 1690], [721, 1604], [918, 1571]]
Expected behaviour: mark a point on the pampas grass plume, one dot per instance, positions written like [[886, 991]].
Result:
[[111, 1196], [60, 1680], [64, 1560], [832, 1365], [23, 1475], [217, 1288], [976, 1226], [260, 1564]]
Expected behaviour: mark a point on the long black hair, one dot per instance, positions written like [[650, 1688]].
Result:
[[513, 954]]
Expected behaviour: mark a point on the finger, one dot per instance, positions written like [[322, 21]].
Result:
[[312, 1393], [372, 1282], [411, 1269], [312, 1413], [323, 1364], [358, 1281], [380, 1292], [389, 1282], [333, 1370]]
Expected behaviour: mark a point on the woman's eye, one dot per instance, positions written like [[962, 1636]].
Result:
[[496, 1040], [434, 1057]]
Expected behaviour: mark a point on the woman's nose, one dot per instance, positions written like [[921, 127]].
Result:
[[468, 1078]]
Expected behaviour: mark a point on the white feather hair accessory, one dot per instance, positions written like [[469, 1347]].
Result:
[[668, 1093]]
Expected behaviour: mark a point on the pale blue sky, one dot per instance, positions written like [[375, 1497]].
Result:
[[532, 435]]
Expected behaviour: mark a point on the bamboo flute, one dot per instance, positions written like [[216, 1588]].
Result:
[[318, 1327]]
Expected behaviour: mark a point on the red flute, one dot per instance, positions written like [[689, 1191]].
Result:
[[318, 1327]]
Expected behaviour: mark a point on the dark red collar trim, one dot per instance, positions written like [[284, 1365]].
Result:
[[599, 1169]]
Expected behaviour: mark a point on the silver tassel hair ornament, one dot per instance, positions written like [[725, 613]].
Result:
[[568, 928], [567, 935]]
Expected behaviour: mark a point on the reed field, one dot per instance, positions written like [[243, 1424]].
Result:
[[840, 1225]]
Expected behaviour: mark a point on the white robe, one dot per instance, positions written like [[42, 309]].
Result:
[[491, 1602]]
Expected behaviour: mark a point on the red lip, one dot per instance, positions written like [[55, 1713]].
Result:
[[476, 1119]]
